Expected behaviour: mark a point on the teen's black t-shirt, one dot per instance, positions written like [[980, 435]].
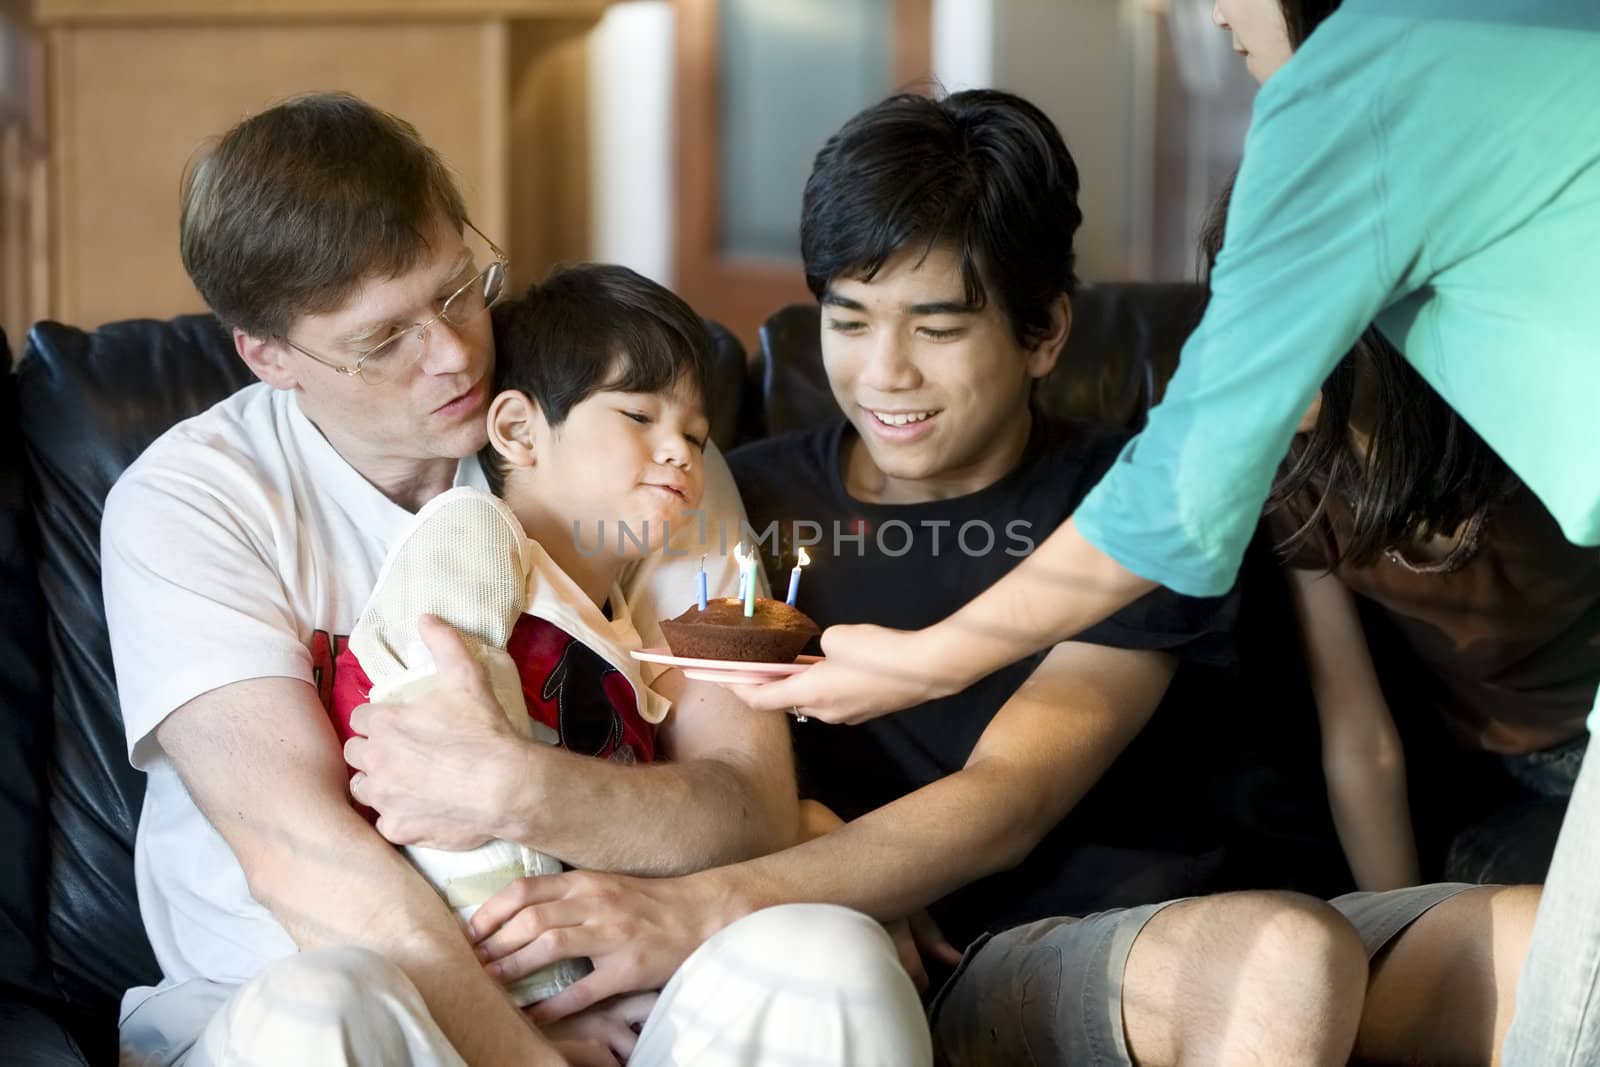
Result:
[[1146, 832]]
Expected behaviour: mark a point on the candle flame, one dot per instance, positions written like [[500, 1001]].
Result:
[[738, 553], [805, 558]]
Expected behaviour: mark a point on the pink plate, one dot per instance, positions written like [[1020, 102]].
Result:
[[725, 671]]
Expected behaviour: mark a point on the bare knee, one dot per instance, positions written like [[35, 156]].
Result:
[[1245, 978], [1445, 988]]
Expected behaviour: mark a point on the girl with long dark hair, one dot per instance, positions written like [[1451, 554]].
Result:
[[1493, 625]]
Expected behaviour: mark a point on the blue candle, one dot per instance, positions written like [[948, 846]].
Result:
[[749, 565], [794, 576], [701, 584]]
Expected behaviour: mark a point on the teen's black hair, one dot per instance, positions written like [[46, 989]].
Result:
[[983, 172]]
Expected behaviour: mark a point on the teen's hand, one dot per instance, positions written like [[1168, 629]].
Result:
[[868, 671], [917, 938], [431, 768], [605, 1033], [636, 931]]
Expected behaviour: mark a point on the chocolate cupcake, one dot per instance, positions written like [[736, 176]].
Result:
[[776, 633]]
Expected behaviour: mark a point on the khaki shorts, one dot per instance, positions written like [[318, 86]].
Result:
[[1051, 991]]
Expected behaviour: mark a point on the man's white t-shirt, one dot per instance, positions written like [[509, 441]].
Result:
[[241, 545]]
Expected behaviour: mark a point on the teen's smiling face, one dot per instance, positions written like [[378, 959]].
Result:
[[936, 390], [634, 458]]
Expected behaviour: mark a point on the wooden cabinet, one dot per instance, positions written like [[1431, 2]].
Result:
[[135, 87]]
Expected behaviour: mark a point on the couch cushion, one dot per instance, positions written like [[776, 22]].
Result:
[[726, 386], [90, 403], [1123, 347], [24, 714]]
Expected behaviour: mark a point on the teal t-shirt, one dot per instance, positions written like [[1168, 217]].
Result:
[[1431, 165]]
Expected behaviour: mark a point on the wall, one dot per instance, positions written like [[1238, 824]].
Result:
[[630, 94], [1082, 62]]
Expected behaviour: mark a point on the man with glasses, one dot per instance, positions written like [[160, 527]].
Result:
[[240, 548]]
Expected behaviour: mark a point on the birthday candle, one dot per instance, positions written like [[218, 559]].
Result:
[[700, 584], [750, 586], [794, 576]]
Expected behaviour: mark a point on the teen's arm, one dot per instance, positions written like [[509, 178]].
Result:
[[450, 772], [260, 759], [1049, 744], [1044, 749], [1362, 758]]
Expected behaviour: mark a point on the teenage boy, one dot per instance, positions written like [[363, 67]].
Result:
[[938, 237], [241, 547]]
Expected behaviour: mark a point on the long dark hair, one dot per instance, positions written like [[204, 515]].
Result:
[[1425, 471], [1303, 16]]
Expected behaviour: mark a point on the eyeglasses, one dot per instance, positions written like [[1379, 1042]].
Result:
[[406, 344]]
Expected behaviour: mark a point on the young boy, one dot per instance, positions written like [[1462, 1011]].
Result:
[[598, 424]]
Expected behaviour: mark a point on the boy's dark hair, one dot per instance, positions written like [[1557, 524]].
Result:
[[1425, 471], [982, 171], [292, 208], [589, 327]]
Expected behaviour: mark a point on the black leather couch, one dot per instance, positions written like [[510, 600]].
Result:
[[79, 408]]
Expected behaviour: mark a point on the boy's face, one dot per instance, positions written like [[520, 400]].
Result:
[[429, 408], [635, 458], [937, 392]]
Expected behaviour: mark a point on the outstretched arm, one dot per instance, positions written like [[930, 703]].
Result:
[[1362, 757], [1064, 587]]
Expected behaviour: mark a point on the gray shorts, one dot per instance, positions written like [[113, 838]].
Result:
[[1051, 991]]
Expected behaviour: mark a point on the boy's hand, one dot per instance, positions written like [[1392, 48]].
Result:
[[436, 769]]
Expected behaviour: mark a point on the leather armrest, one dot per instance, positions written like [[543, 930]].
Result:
[[30, 1037]]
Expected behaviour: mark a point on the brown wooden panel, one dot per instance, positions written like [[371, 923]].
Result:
[[136, 11], [548, 169], [124, 126]]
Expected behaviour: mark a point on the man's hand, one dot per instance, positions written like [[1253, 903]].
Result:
[[637, 931], [433, 769], [869, 671]]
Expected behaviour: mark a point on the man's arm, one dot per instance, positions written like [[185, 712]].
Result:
[[725, 793], [1047, 746], [1362, 757], [260, 759]]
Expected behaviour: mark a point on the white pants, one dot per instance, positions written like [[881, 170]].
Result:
[[794, 985]]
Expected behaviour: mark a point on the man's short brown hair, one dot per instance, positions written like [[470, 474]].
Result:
[[293, 208]]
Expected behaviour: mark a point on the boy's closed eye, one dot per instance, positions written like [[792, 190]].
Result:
[[644, 418]]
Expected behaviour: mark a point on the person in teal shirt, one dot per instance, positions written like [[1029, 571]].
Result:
[[1429, 165]]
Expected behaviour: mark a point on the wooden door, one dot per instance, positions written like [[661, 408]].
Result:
[[752, 109]]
